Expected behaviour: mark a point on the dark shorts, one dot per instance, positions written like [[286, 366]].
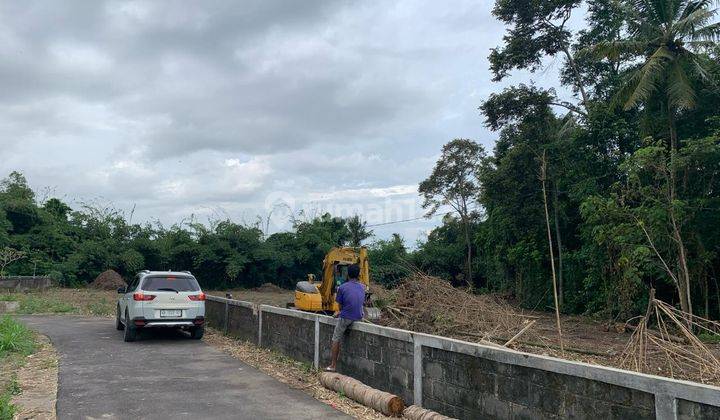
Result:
[[340, 328]]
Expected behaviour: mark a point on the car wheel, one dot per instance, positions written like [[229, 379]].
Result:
[[197, 333], [130, 330], [118, 324]]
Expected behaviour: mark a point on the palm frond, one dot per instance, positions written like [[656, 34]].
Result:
[[695, 5], [700, 45], [625, 90], [703, 73], [680, 92], [614, 49], [668, 10], [648, 76], [651, 9], [708, 33], [695, 21]]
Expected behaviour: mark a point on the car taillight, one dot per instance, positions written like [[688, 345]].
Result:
[[142, 297], [201, 296]]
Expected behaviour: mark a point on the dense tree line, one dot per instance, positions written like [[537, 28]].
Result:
[[632, 162], [629, 169], [74, 246]]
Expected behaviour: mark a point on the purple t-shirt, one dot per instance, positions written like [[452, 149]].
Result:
[[351, 298]]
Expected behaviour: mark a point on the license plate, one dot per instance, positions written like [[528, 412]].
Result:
[[170, 313]]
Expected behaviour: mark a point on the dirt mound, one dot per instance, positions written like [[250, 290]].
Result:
[[108, 280], [269, 288], [431, 305]]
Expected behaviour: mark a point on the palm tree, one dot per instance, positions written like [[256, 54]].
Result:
[[667, 35]]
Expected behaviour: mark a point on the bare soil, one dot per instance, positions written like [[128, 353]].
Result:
[[274, 297], [38, 379]]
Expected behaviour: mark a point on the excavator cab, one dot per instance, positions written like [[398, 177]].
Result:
[[314, 296]]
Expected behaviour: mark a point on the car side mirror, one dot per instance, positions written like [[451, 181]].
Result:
[[121, 290]]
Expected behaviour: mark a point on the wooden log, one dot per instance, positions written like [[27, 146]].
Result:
[[415, 412], [384, 402]]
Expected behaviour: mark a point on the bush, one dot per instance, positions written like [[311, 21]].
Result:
[[57, 277]]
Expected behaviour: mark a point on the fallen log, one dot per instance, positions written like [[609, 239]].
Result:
[[384, 402], [415, 412]]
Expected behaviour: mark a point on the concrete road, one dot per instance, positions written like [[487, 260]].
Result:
[[163, 375]]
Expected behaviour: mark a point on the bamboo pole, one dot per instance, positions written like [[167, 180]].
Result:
[[521, 332], [543, 178]]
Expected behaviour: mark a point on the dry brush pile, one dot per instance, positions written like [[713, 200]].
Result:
[[431, 305], [665, 342]]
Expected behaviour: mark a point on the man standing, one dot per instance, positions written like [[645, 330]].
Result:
[[350, 297]]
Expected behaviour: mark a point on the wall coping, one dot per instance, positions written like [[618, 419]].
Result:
[[652, 384]]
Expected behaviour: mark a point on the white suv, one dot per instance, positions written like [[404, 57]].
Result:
[[161, 299]]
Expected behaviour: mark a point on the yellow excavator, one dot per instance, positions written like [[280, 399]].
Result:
[[314, 296]]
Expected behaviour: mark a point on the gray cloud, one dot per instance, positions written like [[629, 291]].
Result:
[[210, 108]]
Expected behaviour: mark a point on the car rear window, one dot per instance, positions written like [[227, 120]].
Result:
[[170, 283]]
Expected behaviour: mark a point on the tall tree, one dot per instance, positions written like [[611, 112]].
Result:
[[667, 35], [358, 230], [537, 28], [454, 183]]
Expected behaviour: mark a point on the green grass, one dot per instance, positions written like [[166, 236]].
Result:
[[16, 341], [33, 304], [7, 408], [14, 337], [103, 307], [709, 338], [64, 301]]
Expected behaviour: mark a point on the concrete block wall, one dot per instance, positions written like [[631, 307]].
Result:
[[294, 337], [465, 386], [467, 380], [23, 283], [688, 410], [379, 361]]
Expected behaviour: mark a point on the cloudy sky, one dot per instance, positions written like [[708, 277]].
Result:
[[225, 109]]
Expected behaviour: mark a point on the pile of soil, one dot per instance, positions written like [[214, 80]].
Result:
[[269, 288], [108, 280]]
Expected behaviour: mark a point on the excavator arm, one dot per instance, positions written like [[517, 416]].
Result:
[[335, 271]]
